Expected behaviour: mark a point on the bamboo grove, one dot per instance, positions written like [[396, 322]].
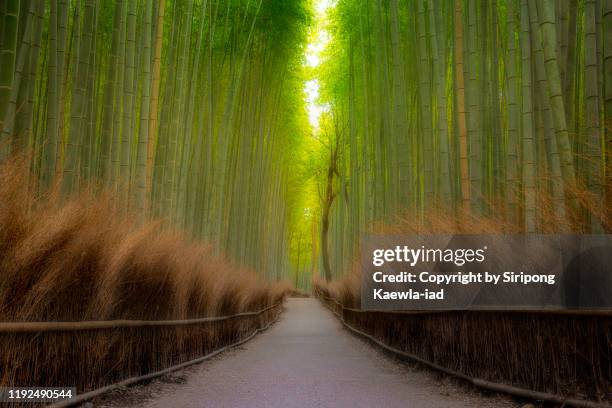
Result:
[[496, 109], [188, 110], [194, 111]]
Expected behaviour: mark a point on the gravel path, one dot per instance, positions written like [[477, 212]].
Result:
[[305, 360]]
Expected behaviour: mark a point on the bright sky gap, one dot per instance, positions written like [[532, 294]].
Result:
[[318, 40]]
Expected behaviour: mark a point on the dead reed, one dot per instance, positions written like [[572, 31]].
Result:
[[78, 259], [559, 353], [567, 354]]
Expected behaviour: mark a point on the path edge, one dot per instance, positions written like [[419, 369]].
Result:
[[135, 380], [477, 382]]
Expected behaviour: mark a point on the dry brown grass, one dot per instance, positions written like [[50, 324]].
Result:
[[561, 354], [585, 212], [564, 354], [550, 352], [78, 259]]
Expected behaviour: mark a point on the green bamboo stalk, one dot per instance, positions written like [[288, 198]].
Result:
[[461, 108], [24, 123], [8, 56], [79, 101], [425, 81], [439, 79], [529, 154], [548, 28], [474, 120], [594, 141], [607, 73], [119, 105], [400, 125], [153, 112], [127, 122], [8, 124], [109, 107], [514, 116], [546, 118], [49, 166], [144, 136]]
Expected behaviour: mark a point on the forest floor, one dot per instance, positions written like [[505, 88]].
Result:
[[305, 360]]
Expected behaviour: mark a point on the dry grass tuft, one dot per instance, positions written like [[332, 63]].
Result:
[[79, 259], [564, 354]]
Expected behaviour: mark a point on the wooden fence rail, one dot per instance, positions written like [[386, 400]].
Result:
[[339, 310], [38, 327]]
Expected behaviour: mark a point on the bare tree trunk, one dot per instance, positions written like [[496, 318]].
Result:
[[328, 200]]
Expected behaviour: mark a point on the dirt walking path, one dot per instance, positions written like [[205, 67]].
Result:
[[305, 360]]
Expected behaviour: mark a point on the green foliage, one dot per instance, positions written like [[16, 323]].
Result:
[[229, 114], [429, 109], [393, 73]]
